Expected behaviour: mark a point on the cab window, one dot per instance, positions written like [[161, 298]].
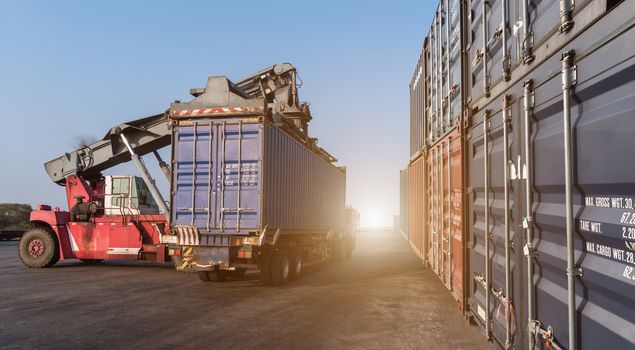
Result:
[[141, 195], [120, 191]]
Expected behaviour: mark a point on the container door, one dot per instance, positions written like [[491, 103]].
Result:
[[216, 183], [445, 222], [455, 217], [495, 249], [239, 160], [416, 206], [603, 185], [453, 61], [490, 60], [433, 209], [195, 175]]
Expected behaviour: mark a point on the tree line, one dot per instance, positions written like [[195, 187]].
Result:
[[14, 216]]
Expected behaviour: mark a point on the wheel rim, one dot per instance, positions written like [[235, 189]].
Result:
[[298, 264], [36, 248], [285, 267]]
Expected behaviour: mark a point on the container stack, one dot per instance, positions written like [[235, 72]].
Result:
[[403, 203], [519, 197], [415, 170]]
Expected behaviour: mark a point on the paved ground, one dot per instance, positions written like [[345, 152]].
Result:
[[379, 299]]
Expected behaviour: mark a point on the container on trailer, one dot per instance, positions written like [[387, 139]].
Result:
[[520, 292], [240, 175], [403, 203], [445, 212], [416, 207], [250, 188]]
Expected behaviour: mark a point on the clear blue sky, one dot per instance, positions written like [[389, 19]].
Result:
[[73, 69]]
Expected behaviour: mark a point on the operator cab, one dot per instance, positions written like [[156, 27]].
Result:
[[128, 195]]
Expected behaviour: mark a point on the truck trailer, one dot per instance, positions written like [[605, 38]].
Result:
[[250, 189]]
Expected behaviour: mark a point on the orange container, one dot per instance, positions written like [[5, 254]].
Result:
[[416, 206], [445, 239]]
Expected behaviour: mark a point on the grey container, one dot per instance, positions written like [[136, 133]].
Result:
[[418, 97], [603, 190], [506, 39], [443, 59], [435, 95]]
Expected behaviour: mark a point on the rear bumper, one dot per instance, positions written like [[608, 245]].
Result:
[[196, 258], [207, 258]]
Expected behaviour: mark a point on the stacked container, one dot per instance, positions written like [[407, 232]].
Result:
[[403, 203], [445, 212], [419, 96], [416, 207], [531, 186]]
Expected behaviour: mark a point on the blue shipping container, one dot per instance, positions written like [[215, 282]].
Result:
[[238, 176]]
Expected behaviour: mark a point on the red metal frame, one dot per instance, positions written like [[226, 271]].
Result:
[[117, 237]]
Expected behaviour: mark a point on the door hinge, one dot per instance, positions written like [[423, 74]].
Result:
[[566, 15], [569, 70]]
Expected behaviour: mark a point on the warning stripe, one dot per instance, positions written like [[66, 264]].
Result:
[[188, 235], [217, 110]]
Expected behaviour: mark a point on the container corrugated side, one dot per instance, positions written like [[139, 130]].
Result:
[[301, 190]]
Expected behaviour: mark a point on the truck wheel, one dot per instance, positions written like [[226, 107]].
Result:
[[91, 261], [213, 276], [204, 276], [338, 251], [39, 248], [238, 273], [265, 268], [297, 265], [280, 267]]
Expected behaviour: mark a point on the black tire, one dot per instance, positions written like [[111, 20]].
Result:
[[238, 273], [204, 276], [280, 267], [296, 264], [39, 248], [213, 276], [265, 268], [338, 251], [91, 261]]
